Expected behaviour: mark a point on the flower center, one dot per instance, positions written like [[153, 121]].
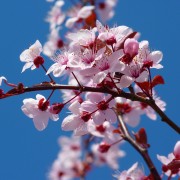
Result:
[[43, 105], [123, 108], [85, 116], [38, 61], [100, 128], [102, 105]]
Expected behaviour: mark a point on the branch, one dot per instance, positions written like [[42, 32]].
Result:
[[142, 151], [114, 93]]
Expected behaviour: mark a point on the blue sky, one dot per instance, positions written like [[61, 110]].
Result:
[[28, 154]]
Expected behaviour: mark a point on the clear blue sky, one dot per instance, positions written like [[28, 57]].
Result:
[[28, 154]]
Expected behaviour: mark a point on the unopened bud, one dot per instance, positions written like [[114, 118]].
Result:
[[56, 108]]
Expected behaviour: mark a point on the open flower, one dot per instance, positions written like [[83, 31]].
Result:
[[133, 173], [171, 164], [32, 56], [77, 14], [38, 110]]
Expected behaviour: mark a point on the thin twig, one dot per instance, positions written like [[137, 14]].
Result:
[[143, 151]]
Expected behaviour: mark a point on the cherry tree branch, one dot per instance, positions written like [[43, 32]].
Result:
[[143, 151], [114, 93]]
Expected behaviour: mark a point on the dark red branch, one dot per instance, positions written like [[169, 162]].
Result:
[[114, 93]]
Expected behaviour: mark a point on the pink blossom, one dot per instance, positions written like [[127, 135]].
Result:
[[53, 44], [38, 110], [149, 111], [110, 157], [133, 173], [133, 72], [171, 162], [101, 109], [131, 47], [56, 16], [148, 58], [83, 37], [112, 35], [68, 164], [71, 146], [78, 13], [108, 65], [59, 68], [104, 130], [61, 171], [130, 111], [30, 55], [105, 9], [78, 121]]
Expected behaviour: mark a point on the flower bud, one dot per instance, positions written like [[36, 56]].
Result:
[[56, 108], [131, 47]]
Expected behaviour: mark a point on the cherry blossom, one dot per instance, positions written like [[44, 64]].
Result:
[[61, 63], [78, 121], [147, 109], [56, 16], [109, 157], [130, 111], [131, 47], [133, 173], [148, 58], [38, 110], [53, 44], [83, 37], [77, 14], [105, 9], [108, 65], [112, 35], [100, 107], [32, 56], [70, 145], [68, 164], [171, 163]]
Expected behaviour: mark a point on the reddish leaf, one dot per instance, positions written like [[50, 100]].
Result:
[[145, 86], [157, 80], [116, 131], [141, 138]]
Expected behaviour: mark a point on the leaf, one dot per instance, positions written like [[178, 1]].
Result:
[[157, 80], [145, 86], [141, 138]]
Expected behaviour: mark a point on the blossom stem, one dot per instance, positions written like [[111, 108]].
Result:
[[50, 95], [73, 98], [48, 74], [114, 84], [143, 151], [150, 81], [132, 97], [77, 80]]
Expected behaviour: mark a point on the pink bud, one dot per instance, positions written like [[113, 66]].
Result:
[[177, 150], [131, 47]]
